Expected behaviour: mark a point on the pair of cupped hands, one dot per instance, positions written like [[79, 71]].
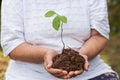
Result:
[[48, 57]]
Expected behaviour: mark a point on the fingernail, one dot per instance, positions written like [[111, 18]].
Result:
[[64, 72], [48, 65]]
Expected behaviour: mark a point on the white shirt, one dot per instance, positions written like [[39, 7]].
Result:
[[24, 21]]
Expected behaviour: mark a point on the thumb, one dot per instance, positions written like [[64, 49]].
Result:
[[49, 65], [86, 63], [47, 62]]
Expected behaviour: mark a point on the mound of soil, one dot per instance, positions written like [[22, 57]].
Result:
[[69, 60]]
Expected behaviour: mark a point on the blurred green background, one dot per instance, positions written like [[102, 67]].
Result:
[[111, 54]]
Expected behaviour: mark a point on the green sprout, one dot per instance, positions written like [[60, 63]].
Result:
[[58, 19]]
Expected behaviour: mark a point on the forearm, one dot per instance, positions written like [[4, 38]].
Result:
[[28, 53], [94, 45]]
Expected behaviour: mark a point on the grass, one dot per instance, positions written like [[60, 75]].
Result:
[[111, 55], [3, 65]]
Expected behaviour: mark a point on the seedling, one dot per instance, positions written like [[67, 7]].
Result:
[[69, 60], [58, 19], [57, 22]]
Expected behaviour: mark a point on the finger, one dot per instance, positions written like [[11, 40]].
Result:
[[45, 65], [59, 73], [78, 72], [71, 73], [63, 73], [86, 66], [54, 71], [62, 77], [48, 62], [86, 63], [49, 65]]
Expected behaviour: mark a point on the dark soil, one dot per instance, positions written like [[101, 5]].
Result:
[[69, 60]]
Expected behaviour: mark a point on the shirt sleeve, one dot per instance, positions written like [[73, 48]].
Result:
[[99, 17], [12, 23]]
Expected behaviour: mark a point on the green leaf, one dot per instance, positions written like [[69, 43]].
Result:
[[56, 23], [63, 19], [50, 13]]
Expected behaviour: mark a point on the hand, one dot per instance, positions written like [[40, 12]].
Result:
[[75, 73], [48, 65]]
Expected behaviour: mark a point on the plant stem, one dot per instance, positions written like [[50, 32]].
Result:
[[62, 36]]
